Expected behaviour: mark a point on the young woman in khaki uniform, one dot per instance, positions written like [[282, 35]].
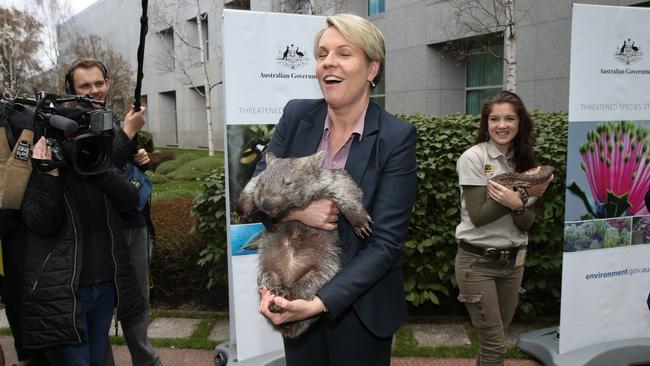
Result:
[[492, 236]]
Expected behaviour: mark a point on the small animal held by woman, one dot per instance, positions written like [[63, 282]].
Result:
[[295, 260]]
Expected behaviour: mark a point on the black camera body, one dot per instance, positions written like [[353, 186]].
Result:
[[81, 137]]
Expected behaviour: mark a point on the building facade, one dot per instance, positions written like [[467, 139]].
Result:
[[437, 60]]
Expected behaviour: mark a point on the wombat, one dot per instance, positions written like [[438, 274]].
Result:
[[295, 259]]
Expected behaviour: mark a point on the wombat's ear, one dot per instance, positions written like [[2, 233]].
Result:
[[270, 157]]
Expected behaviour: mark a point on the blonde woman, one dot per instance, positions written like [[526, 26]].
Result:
[[363, 305]]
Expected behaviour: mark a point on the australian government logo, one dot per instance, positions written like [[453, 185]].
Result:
[[291, 57], [627, 53]]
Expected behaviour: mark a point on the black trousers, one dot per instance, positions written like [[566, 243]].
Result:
[[345, 341]]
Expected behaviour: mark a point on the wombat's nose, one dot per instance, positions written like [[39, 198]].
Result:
[[267, 204]]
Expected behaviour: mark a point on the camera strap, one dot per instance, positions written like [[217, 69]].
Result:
[[15, 168], [46, 165], [5, 108]]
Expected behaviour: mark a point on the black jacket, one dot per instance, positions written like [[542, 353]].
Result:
[[54, 254], [13, 252]]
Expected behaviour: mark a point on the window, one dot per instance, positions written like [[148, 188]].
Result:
[[379, 92], [167, 38], [237, 4], [484, 75], [168, 118], [206, 38], [204, 34], [375, 7]]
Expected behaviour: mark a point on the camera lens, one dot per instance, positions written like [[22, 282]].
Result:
[[91, 154]]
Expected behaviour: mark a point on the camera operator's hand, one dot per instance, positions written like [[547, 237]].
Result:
[[42, 157], [133, 121], [141, 158]]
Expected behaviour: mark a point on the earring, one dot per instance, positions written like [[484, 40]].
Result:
[[372, 84]]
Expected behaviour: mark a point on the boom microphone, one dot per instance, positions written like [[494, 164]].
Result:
[[62, 123]]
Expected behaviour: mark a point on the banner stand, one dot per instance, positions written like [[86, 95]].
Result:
[[224, 352], [543, 345]]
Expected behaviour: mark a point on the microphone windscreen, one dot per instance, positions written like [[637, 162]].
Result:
[[63, 123]]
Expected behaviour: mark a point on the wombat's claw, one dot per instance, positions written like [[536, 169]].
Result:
[[276, 291], [275, 309], [363, 231]]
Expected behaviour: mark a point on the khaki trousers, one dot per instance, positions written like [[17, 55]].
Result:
[[490, 291]]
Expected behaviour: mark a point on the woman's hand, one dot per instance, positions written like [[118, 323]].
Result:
[[293, 310], [539, 189], [321, 214], [504, 195]]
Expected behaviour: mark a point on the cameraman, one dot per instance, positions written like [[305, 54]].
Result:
[[77, 265], [90, 77]]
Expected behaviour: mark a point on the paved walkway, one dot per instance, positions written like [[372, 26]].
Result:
[[426, 334]]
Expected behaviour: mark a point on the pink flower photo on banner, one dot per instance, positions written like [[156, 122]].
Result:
[[617, 166]]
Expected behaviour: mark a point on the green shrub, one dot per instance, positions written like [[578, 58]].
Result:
[[169, 166], [431, 245], [145, 141], [209, 209], [197, 169], [156, 178]]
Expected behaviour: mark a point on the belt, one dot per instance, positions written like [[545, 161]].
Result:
[[494, 254]]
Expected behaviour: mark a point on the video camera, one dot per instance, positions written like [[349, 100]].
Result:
[[80, 136]]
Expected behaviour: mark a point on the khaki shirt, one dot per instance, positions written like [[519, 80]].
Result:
[[475, 167]]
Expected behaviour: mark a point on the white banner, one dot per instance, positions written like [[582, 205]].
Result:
[[268, 60], [606, 262]]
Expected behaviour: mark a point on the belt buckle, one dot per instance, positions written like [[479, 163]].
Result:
[[491, 253], [496, 254]]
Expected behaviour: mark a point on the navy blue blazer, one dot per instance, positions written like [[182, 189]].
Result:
[[383, 164]]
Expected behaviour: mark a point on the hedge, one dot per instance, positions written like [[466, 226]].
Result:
[[431, 246], [177, 279]]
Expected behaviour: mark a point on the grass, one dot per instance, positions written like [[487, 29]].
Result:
[[173, 189], [406, 346], [198, 339], [182, 177]]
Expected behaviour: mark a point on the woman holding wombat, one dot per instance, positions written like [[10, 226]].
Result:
[[363, 305], [492, 236]]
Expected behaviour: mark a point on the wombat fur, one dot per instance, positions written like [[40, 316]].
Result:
[[295, 259]]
